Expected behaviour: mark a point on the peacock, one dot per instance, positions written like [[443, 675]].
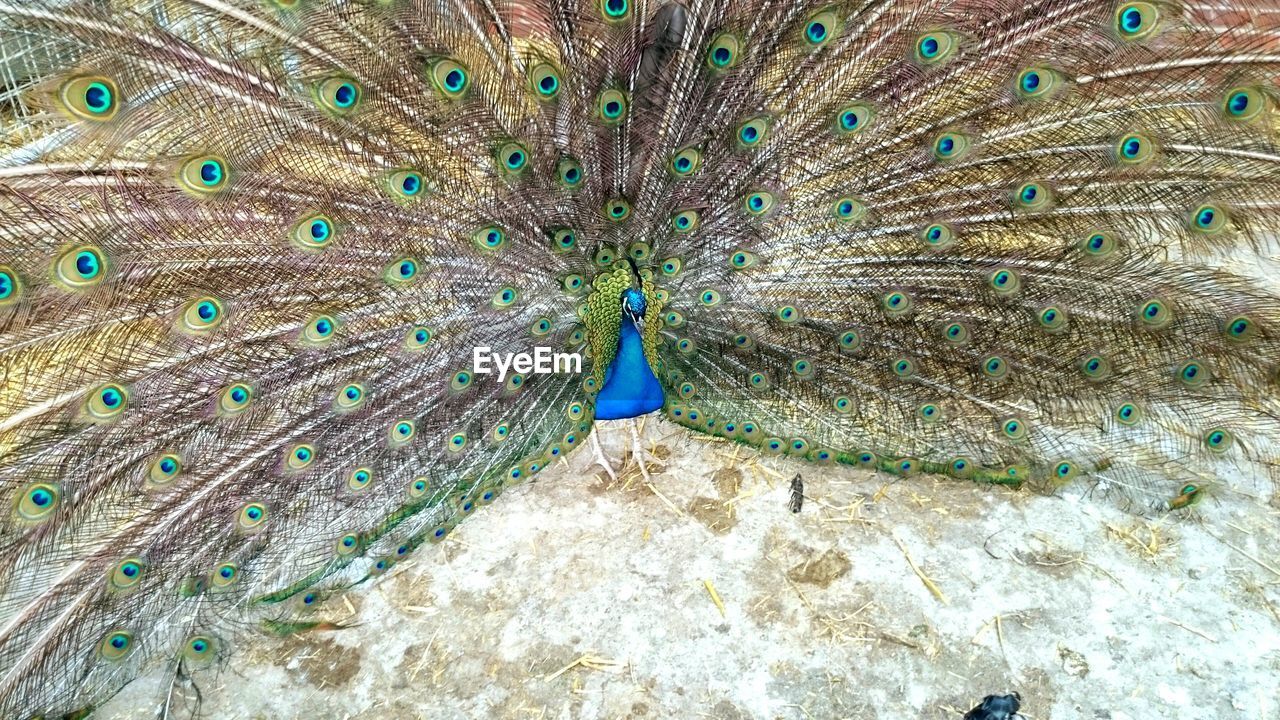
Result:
[[251, 251]]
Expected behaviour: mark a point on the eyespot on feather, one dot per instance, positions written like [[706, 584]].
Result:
[[90, 97], [81, 267], [204, 175]]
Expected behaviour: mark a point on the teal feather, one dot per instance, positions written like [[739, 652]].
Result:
[[248, 247]]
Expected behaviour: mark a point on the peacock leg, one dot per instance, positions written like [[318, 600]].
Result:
[[601, 460], [638, 453]]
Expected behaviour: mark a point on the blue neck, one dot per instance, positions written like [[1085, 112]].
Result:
[[630, 388]]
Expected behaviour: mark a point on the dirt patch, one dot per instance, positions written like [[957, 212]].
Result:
[[728, 482], [319, 661], [822, 570], [716, 515]]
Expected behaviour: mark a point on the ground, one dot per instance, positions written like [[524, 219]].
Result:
[[699, 594]]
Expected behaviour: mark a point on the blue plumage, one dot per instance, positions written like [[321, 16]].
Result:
[[630, 387]]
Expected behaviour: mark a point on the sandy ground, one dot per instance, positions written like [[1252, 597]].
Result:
[[700, 595]]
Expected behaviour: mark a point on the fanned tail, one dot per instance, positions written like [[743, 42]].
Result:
[[248, 250]]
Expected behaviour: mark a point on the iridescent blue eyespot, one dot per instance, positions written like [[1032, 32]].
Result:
[[820, 28], [1193, 374], [252, 516], [1218, 440], [418, 338], [723, 52], [1240, 327], [450, 78], [995, 367], [1243, 104], [301, 456], [37, 502], [90, 98], [406, 185], [849, 209], [1136, 20], [935, 47], [9, 287], [338, 95], [513, 157], [80, 267], [545, 80], [611, 106], [1209, 219], [402, 271], [116, 645], [615, 9], [203, 175], [107, 402], [1098, 245], [211, 172]]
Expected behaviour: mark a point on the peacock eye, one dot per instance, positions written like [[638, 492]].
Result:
[[1037, 82], [38, 502], [935, 47], [116, 645], [234, 399], [615, 10], [950, 146], [513, 158], [1136, 20], [752, 132], [1032, 196], [685, 221], [1098, 244], [617, 209], [611, 106], [300, 456], [820, 28], [569, 172], [1129, 414], [95, 98], [338, 95], [505, 297], [360, 479], [401, 271], [1243, 104], [1209, 219], [686, 162], [106, 402], [406, 184], [319, 330], [489, 239], [203, 175], [418, 337], [545, 81], [313, 232], [252, 516], [1134, 149], [724, 51], [81, 267], [10, 286], [450, 78], [759, 203], [854, 118], [938, 236], [1005, 282]]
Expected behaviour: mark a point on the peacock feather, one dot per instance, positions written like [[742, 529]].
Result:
[[248, 250]]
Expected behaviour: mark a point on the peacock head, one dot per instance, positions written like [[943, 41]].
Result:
[[633, 304]]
